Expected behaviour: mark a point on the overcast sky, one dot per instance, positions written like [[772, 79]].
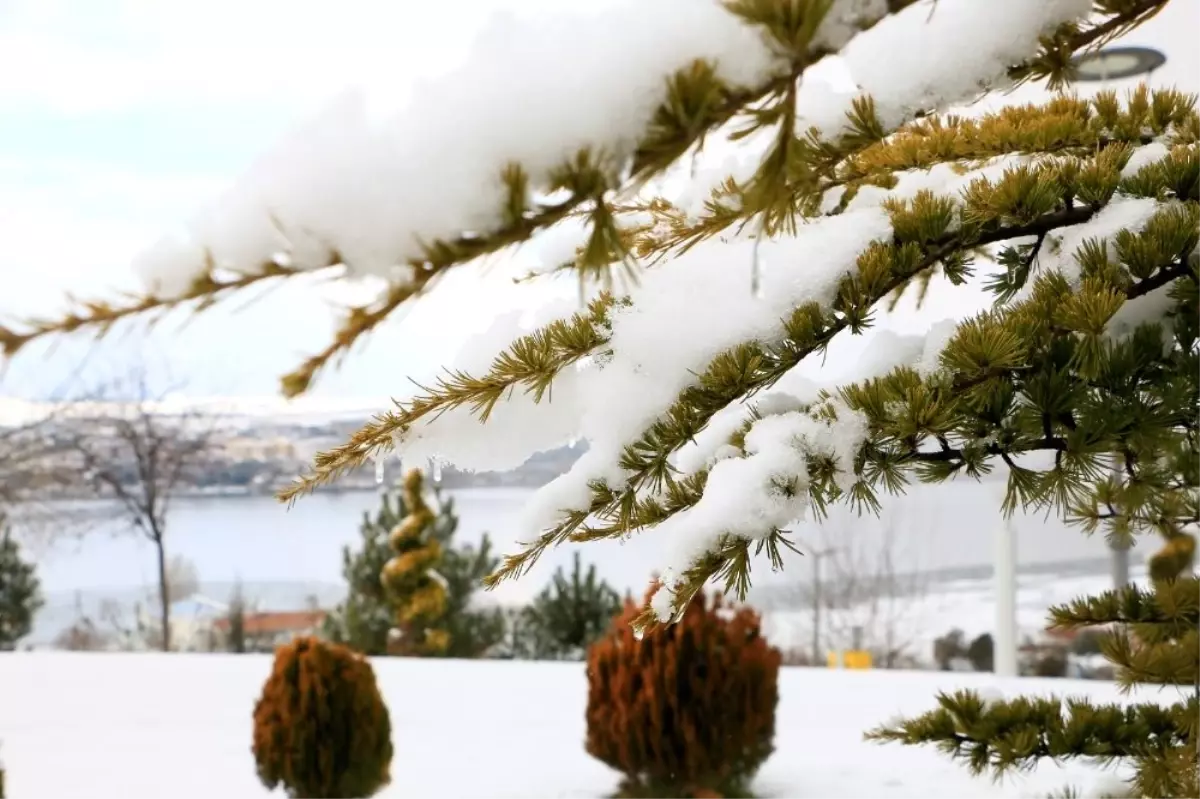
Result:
[[119, 118]]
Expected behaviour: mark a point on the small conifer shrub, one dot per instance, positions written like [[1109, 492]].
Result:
[[689, 710], [321, 728]]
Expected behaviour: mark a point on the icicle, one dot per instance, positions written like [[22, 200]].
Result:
[[435, 470], [379, 465]]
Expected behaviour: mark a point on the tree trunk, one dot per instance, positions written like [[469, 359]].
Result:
[[164, 594]]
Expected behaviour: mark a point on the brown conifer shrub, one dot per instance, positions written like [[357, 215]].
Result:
[[321, 728], [689, 710]]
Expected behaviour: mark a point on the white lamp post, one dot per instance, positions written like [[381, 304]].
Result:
[[1005, 574]]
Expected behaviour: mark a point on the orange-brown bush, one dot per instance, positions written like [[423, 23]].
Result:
[[689, 710], [321, 728]]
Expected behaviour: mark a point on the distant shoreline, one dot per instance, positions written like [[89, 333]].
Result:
[[240, 492]]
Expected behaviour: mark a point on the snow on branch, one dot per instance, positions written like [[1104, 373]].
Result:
[[920, 156], [926, 229]]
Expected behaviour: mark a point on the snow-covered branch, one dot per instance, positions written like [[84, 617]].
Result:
[[406, 194]]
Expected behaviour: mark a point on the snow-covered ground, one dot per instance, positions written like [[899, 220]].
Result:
[[130, 726], [914, 621]]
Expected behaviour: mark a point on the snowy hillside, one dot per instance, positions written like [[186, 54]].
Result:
[[134, 726]]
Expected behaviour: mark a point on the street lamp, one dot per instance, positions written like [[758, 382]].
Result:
[[1115, 63]]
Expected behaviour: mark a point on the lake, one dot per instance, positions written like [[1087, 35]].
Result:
[[257, 540]]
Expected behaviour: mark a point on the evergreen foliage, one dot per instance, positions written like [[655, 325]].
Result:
[[687, 711], [1176, 557], [321, 728], [365, 618], [475, 631], [982, 653], [567, 615], [411, 580], [1047, 194], [236, 638], [20, 591]]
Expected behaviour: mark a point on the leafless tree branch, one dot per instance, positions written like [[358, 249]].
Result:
[[134, 454]]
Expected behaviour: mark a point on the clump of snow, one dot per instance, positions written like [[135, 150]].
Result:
[[371, 184], [558, 244], [1107, 786], [750, 497], [684, 313], [990, 695], [704, 448], [844, 20], [905, 64], [1151, 307], [886, 351], [457, 435], [944, 179], [936, 339], [1144, 156], [1123, 213]]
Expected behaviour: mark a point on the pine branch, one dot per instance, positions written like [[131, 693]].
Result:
[[1013, 735], [752, 367], [101, 316], [864, 154], [696, 103], [945, 397]]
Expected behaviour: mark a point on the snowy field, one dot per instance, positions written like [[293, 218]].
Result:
[[915, 621], [129, 726]]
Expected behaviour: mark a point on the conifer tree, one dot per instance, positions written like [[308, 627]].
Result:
[[568, 615], [474, 630], [411, 580], [1078, 214], [20, 591], [364, 619], [236, 615]]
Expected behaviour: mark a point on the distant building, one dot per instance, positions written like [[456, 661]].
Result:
[[269, 449], [266, 630]]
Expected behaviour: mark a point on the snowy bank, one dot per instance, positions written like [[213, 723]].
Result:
[[133, 726]]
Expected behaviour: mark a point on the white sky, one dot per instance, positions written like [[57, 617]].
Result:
[[119, 118]]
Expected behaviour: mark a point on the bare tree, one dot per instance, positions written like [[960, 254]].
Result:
[[183, 579], [83, 636], [139, 456], [31, 477], [871, 604], [859, 596]]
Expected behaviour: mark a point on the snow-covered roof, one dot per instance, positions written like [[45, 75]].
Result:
[[198, 606]]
